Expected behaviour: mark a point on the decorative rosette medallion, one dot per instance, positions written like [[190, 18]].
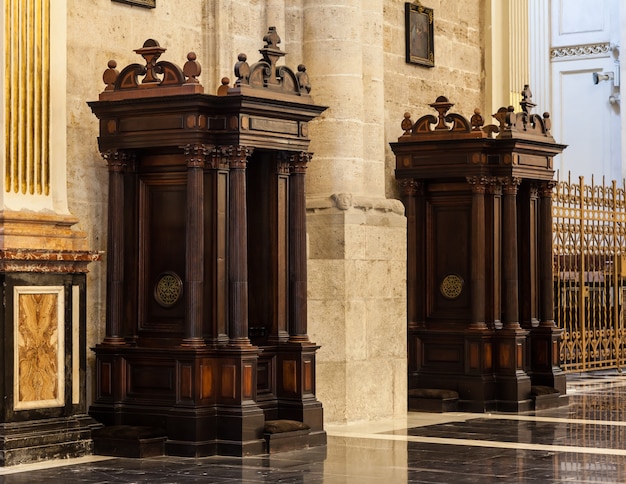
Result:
[[168, 289], [451, 286]]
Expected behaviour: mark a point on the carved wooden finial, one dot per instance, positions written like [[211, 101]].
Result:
[[407, 124], [442, 106], [271, 39], [527, 103], [151, 51], [242, 69], [477, 120], [267, 74], [547, 122], [303, 78], [223, 89], [110, 75], [271, 54], [500, 116], [192, 68]]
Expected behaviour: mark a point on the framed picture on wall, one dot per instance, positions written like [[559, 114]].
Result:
[[139, 3], [419, 34]]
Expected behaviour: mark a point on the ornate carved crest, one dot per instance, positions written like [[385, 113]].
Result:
[[167, 76], [523, 124], [445, 124], [266, 74]]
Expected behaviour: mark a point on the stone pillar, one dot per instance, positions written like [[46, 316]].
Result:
[[357, 238]]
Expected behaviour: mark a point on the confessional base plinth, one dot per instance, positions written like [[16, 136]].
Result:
[[201, 397], [46, 439]]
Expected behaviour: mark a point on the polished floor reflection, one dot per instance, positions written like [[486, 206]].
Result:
[[582, 443]]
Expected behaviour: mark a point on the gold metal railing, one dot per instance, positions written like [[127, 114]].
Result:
[[590, 273]]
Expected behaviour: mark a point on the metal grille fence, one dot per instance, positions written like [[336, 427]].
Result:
[[590, 273]]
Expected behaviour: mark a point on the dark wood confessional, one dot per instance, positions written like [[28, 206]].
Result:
[[206, 317], [480, 287]]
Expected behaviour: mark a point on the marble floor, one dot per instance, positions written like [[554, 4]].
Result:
[[582, 443]]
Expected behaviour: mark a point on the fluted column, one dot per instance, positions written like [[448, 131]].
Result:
[[478, 252], [546, 280], [116, 162], [238, 247], [509, 254], [297, 249], [194, 244], [411, 188]]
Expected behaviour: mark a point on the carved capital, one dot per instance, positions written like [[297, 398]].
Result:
[[298, 162], [478, 183], [218, 159], [118, 160], [494, 187], [283, 163], [236, 155], [510, 184], [196, 155], [411, 187], [546, 190]]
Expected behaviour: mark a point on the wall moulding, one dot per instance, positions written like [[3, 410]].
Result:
[[602, 49]]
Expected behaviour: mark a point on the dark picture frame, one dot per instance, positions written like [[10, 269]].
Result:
[[419, 34], [139, 3]]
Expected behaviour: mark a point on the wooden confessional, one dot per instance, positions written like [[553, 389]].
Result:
[[480, 289], [206, 316]]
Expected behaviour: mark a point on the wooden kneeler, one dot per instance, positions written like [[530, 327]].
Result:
[[129, 441], [433, 400], [285, 435]]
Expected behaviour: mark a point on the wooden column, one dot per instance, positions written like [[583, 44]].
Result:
[[194, 244], [297, 249], [546, 257], [410, 188], [216, 246], [545, 339], [477, 244], [494, 244], [509, 254], [280, 213], [513, 382], [116, 162], [238, 243]]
